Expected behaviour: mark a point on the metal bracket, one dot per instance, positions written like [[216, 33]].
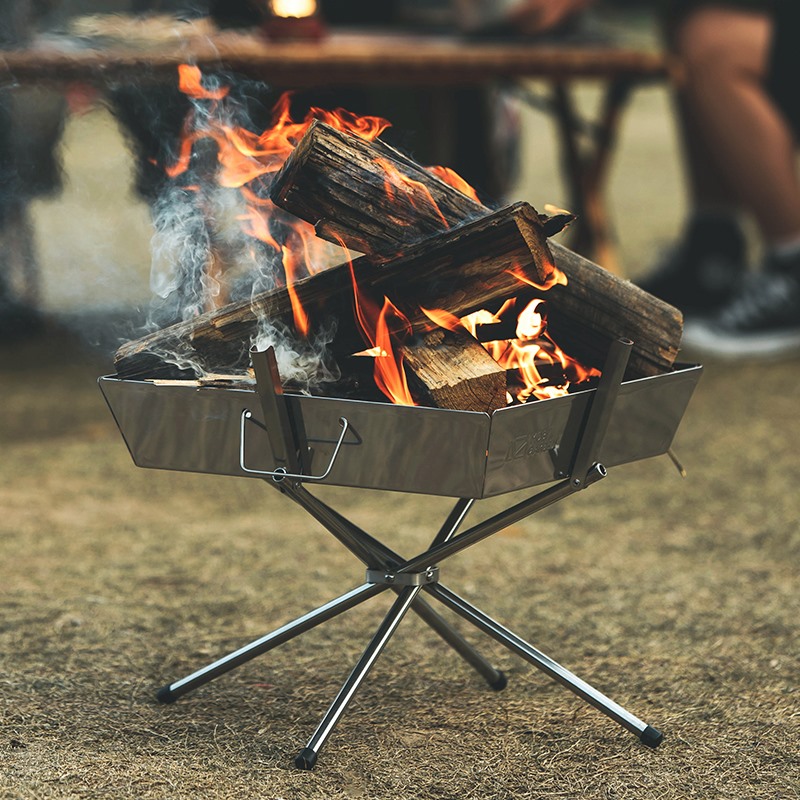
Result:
[[281, 472], [430, 575], [600, 410], [283, 439]]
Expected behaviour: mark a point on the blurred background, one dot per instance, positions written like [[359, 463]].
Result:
[[90, 230], [677, 597]]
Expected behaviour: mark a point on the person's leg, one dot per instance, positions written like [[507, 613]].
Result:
[[724, 56], [740, 143], [741, 147]]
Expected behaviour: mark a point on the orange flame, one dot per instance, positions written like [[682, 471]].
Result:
[[530, 352], [190, 82], [444, 319], [395, 180], [555, 277], [290, 265], [389, 375], [531, 349], [452, 178], [246, 160]]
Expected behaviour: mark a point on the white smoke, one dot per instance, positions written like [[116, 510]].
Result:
[[203, 258]]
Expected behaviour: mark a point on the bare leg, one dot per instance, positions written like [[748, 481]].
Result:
[[740, 150], [740, 153]]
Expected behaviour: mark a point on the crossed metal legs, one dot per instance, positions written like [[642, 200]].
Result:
[[409, 579]]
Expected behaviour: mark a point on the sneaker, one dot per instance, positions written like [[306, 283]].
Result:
[[699, 275], [763, 320]]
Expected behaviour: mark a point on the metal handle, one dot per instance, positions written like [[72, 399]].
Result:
[[281, 473]]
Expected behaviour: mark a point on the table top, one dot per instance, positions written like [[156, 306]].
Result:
[[341, 58]]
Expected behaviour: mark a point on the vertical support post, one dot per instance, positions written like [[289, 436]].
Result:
[[600, 410], [273, 405]]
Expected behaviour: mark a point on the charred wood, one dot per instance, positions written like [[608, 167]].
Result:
[[366, 194], [339, 183], [596, 307], [460, 270]]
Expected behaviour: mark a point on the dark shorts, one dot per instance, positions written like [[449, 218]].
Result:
[[784, 68], [784, 59]]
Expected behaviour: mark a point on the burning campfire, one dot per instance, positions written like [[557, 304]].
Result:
[[450, 304]]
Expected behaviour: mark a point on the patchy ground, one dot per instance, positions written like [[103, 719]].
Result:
[[676, 597]]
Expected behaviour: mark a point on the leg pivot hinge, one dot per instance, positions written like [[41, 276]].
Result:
[[430, 575]]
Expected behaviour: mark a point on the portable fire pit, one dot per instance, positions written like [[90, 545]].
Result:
[[444, 300], [290, 440]]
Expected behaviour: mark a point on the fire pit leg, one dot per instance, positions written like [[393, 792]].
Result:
[[388, 570], [647, 734], [495, 678], [307, 757], [375, 554], [172, 691]]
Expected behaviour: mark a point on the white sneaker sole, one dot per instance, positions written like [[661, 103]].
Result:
[[704, 339]]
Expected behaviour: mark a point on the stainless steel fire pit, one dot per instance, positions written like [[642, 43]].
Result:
[[291, 440], [418, 450]]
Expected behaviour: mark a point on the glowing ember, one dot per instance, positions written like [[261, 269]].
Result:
[[530, 351]]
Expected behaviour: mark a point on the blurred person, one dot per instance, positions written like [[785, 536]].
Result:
[[31, 123], [739, 116]]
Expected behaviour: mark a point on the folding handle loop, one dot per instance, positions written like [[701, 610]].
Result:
[[280, 473]]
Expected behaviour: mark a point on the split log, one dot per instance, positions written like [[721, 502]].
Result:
[[372, 197], [461, 270], [366, 194], [597, 307], [335, 181], [452, 369]]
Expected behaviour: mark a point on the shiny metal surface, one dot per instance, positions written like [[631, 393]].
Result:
[[419, 450], [281, 473], [531, 441]]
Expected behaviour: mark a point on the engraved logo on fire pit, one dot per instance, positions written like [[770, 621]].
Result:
[[530, 444]]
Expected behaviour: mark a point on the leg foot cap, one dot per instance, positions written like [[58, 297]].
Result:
[[500, 683], [164, 695], [306, 758], [651, 737]]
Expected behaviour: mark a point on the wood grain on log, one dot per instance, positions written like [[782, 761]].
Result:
[[455, 371], [366, 194], [460, 270], [596, 307]]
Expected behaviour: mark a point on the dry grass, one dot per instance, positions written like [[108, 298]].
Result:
[[677, 598]]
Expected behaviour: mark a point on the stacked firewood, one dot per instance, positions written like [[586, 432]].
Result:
[[425, 245]]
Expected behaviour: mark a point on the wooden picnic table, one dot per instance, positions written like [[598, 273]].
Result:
[[346, 58], [342, 58]]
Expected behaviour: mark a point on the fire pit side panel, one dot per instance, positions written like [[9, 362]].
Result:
[[535, 443], [528, 442], [400, 448], [647, 415], [198, 429]]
